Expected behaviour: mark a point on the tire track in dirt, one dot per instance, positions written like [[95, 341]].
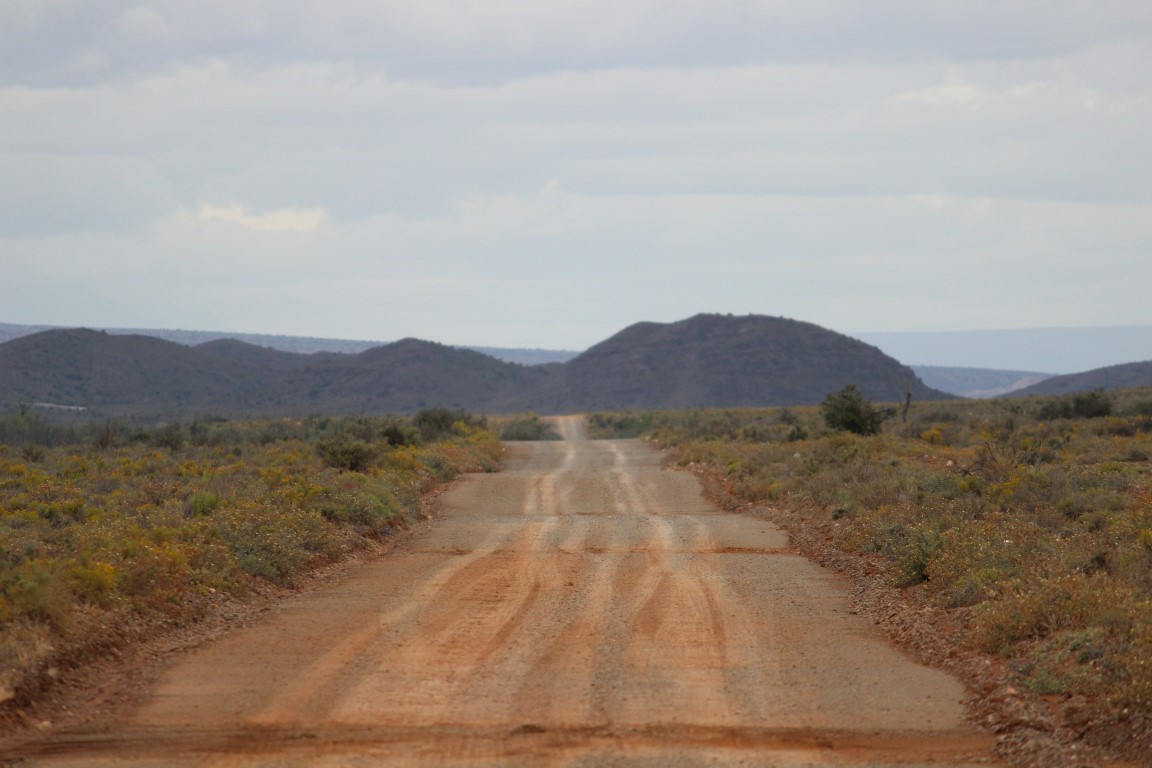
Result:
[[584, 607]]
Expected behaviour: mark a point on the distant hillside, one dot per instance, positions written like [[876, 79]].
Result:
[[298, 344], [125, 375], [303, 345], [129, 374], [408, 375], [1057, 350], [976, 382], [707, 360], [1126, 376], [726, 361], [261, 357]]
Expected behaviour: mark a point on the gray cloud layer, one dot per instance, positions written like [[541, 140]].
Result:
[[541, 174]]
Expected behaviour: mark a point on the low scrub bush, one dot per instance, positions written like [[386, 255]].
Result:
[[346, 453], [439, 423], [1090, 405], [527, 427], [620, 425]]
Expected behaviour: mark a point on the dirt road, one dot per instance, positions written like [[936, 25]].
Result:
[[582, 608]]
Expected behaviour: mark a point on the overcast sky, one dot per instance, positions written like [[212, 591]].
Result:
[[543, 173]]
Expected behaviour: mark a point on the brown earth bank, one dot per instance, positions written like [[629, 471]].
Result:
[[583, 607], [1031, 730]]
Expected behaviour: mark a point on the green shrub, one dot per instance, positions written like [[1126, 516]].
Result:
[[1089, 405], [623, 426], [202, 503], [32, 453], [276, 544], [170, 436], [35, 590], [439, 423], [528, 427], [395, 434], [345, 453], [849, 410]]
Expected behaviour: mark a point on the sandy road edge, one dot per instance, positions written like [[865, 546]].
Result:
[[1029, 734]]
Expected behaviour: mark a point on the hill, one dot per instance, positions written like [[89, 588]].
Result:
[[242, 353], [1127, 376], [408, 375], [726, 361], [707, 360], [124, 375], [304, 345], [976, 382], [1056, 350], [128, 374]]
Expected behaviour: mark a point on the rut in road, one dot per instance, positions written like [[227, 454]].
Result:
[[583, 607]]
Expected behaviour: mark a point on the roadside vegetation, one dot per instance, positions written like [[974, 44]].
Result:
[[110, 531], [528, 426], [1029, 520]]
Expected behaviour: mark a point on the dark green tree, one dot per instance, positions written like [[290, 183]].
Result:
[[850, 410]]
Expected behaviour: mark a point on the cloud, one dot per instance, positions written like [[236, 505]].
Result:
[[468, 43], [584, 266], [855, 163], [958, 92], [283, 220], [142, 22]]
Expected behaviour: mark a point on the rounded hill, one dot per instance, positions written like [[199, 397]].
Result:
[[727, 361]]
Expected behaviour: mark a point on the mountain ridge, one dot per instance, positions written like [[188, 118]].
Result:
[[1126, 376], [295, 344], [705, 360]]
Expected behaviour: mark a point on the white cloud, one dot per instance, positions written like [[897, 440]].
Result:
[[283, 220], [958, 92]]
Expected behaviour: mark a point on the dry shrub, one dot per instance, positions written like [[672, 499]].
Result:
[[977, 556], [1135, 668], [1031, 608], [277, 543], [1082, 632]]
